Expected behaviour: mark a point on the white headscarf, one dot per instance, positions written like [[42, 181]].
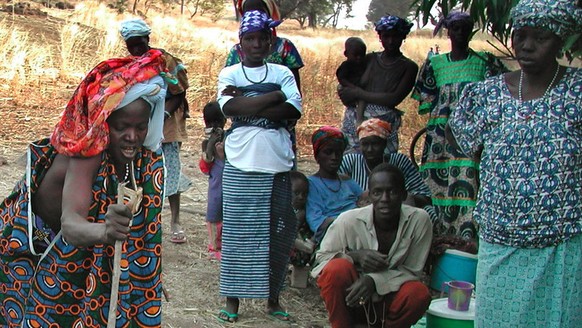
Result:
[[154, 92]]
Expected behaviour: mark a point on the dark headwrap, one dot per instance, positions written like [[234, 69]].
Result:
[[390, 22], [326, 134], [254, 20], [453, 16], [561, 17]]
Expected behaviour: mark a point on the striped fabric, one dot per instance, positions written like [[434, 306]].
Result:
[[354, 165], [253, 234]]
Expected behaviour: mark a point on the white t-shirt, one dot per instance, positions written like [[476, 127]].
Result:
[[256, 149]]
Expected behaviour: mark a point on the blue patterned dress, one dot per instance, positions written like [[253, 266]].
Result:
[[529, 206]]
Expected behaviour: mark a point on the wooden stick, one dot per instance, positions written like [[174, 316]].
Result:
[[112, 318]]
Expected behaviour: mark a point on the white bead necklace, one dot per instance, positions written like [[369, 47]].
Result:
[[126, 178], [520, 86]]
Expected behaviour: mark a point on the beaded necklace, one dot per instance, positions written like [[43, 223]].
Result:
[[126, 177], [520, 86], [254, 82], [330, 188]]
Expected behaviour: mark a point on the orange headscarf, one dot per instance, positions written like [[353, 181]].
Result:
[[271, 7], [374, 127]]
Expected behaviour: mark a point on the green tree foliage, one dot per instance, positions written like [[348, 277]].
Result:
[[213, 8], [379, 8], [315, 12], [492, 16]]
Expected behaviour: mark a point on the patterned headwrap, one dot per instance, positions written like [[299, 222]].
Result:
[[453, 16], [270, 4], [562, 17], [390, 22], [254, 20], [83, 129], [325, 135], [134, 27], [374, 127]]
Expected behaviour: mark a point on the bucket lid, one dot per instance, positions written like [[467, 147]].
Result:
[[461, 253], [440, 308]]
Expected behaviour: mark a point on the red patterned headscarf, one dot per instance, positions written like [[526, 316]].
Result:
[[83, 129], [325, 135], [374, 127]]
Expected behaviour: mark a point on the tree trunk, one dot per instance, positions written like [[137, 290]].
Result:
[[236, 13], [312, 17], [134, 9]]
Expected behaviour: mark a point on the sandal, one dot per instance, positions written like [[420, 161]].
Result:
[[280, 316], [178, 237], [227, 317]]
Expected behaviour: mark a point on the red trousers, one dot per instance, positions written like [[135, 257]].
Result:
[[399, 309]]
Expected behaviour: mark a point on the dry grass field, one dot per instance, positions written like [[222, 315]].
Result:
[[44, 57]]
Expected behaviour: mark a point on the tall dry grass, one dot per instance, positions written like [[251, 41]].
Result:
[[89, 34]]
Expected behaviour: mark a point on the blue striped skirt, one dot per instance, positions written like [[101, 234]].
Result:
[[259, 228]]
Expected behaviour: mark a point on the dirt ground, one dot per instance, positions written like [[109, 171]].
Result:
[[192, 280]]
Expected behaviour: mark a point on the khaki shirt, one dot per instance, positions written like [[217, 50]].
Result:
[[354, 230]]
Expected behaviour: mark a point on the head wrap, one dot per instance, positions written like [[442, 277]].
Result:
[[374, 127], [134, 27], [270, 4], [326, 134], [562, 17], [390, 22], [254, 20], [453, 16], [112, 84]]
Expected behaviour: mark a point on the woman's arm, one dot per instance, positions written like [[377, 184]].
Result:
[[77, 199], [271, 105], [275, 105]]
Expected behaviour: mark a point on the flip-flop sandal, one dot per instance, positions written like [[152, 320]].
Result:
[[178, 237], [280, 316], [226, 317]]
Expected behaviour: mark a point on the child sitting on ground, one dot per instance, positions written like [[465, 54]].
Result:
[[350, 73], [212, 164], [304, 243]]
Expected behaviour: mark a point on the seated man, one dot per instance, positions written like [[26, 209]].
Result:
[[373, 135], [370, 261]]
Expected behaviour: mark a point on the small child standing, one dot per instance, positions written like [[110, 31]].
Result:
[[212, 164], [304, 245], [350, 73]]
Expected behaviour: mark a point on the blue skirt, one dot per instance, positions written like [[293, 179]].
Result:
[[529, 287], [259, 228]]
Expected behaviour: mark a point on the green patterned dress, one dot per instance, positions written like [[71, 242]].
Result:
[[451, 175]]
